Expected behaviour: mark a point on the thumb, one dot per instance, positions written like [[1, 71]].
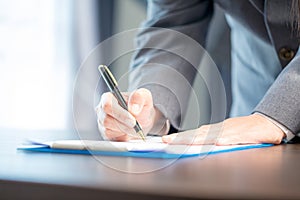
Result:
[[138, 100]]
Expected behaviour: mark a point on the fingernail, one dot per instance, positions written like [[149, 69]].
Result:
[[166, 139], [136, 109]]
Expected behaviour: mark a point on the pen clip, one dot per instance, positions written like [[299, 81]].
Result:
[[106, 72]]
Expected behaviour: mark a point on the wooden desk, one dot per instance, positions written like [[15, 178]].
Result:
[[269, 173]]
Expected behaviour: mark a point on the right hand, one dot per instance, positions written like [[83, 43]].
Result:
[[116, 123]]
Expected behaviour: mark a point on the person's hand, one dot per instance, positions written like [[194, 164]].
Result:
[[115, 123], [250, 129]]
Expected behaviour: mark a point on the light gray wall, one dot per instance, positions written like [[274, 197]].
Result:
[[129, 15]]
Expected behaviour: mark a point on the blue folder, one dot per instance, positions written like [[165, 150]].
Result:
[[145, 154]]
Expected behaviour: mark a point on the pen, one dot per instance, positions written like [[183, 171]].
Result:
[[113, 87]]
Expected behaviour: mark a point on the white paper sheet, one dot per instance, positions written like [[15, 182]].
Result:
[[151, 144]]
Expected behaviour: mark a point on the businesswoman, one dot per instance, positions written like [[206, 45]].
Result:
[[265, 74]]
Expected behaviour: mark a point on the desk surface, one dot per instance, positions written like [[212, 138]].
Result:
[[268, 173]]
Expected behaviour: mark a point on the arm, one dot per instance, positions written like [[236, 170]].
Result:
[[168, 76], [281, 104], [282, 101]]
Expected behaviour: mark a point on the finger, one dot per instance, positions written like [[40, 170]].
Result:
[[124, 94], [204, 135], [169, 138], [127, 137], [233, 141], [110, 106], [140, 104], [111, 123], [122, 138], [138, 100], [108, 134], [113, 135], [187, 137]]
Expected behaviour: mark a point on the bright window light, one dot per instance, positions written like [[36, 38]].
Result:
[[35, 82]]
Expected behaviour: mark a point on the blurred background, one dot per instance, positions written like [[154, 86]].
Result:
[[43, 44]]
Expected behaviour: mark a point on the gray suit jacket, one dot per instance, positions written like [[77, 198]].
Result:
[[267, 19]]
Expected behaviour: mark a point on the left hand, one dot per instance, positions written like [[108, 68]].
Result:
[[252, 129]]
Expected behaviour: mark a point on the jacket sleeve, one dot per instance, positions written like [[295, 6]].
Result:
[[167, 53], [282, 101]]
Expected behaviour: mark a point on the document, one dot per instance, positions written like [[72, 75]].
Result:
[[153, 147]]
